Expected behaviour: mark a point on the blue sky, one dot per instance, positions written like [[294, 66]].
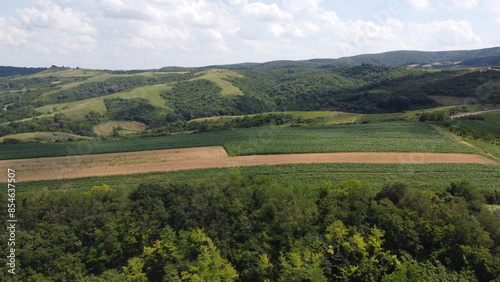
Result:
[[131, 34]]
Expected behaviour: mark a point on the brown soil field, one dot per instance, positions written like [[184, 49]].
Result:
[[202, 157]]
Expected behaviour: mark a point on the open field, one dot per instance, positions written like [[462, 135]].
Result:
[[372, 137], [419, 176], [44, 137], [128, 127], [202, 157], [452, 100], [219, 77]]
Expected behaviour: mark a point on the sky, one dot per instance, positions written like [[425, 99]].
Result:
[[150, 34]]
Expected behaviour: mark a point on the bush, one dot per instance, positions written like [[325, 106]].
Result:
[[11, 141]]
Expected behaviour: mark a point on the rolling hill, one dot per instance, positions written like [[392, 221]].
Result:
[[437, 59], [75, 100]]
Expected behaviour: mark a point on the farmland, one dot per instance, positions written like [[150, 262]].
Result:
[[422, 176], [371, 137]]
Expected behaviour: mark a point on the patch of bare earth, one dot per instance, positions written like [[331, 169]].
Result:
[[202, 157]]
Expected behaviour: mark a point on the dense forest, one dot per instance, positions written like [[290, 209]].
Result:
[[238, 227], [11, 71]]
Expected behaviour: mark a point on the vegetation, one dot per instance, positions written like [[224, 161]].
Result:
[[136, 109], [11, 71], [371, 137], [110, 86], [234, 226], [303, 222], [362, 89], [485, 127], [440, 60], [419, 176]]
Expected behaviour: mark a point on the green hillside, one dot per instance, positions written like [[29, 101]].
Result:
[[84, 98]]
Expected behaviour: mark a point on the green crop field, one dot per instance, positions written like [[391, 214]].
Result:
[[485, 147], [422, 176], [372, 137], [493, 116], [490, 124]]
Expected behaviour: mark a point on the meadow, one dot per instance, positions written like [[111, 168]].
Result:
[[401, 136]]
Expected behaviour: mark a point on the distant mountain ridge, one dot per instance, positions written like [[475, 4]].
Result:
[[426, 59], [488, 57]]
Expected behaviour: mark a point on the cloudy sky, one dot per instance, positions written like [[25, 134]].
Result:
[[132, 34]]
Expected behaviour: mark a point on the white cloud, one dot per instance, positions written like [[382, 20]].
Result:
[[264, 12], [461, 4], [117, 33], [49, 28], [298, 30], [420, 4], [497, 19], [395, 23], [302, 6], [493, 5], [449, 34]]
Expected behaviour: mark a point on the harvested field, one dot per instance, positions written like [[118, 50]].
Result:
[[203, 157]]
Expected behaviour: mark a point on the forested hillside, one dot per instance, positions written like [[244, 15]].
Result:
[[79, 96], [440, 59], [11, 71]]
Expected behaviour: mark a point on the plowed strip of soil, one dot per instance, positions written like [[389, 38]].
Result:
[[202, 157]]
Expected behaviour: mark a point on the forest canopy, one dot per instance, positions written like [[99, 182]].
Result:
[[239, 227]]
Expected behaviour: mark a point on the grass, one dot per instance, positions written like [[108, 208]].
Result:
[[491, 124], [419, 176], [219, 77], [485, 147], [128, 126], [44, 136], [453, 100], [375, 137], [492, 116], [78, 109], [312, 118]]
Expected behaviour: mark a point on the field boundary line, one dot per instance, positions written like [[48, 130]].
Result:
[[457, 139]]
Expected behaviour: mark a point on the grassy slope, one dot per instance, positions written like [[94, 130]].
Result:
[[44, 136], [423, 176], [79, 109], [376, 137], [219, 77]]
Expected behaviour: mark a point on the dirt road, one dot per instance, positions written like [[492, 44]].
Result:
[[202, 157]]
